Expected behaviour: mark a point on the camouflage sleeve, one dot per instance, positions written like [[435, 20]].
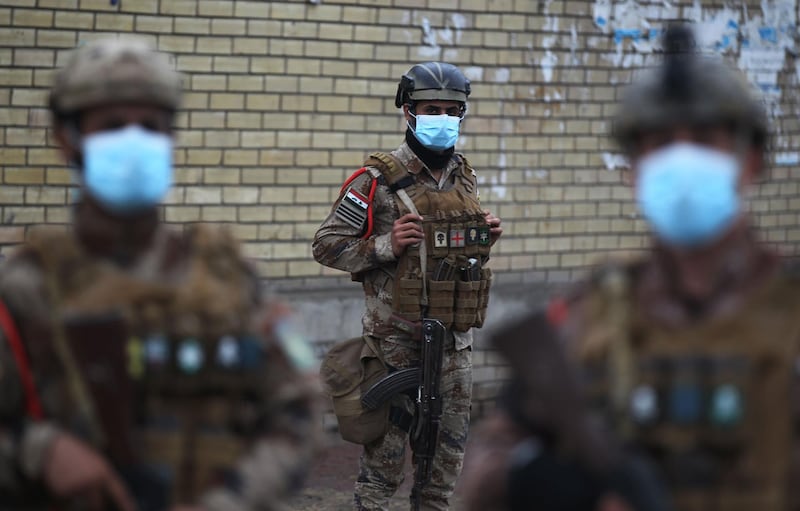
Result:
[[276, 464], [340, 245], [23, 443]]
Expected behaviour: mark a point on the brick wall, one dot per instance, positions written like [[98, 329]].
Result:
[[284, 99]]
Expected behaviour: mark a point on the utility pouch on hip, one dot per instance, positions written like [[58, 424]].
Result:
[[347, 371]]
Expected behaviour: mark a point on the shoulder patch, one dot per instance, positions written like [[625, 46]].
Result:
[[353, 209]]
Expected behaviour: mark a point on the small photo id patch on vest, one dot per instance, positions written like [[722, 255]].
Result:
[[353, 209]]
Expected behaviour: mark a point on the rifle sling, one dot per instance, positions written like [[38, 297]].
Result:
[[398, 186], [375, 349]]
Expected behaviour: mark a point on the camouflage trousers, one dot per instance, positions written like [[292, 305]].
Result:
[[381, 463]]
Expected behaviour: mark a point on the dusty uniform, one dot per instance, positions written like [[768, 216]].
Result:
[[341, 245], [186, 398], [705, 390]]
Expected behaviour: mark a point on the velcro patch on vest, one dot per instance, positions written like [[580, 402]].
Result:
[[483, 235], [157, 353], [440, 239], [353, 209], [472, 236], [457, 238]]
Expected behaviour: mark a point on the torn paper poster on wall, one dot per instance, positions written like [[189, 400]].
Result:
[[787, 159], [615, 161], [758, 41], [433, 38]]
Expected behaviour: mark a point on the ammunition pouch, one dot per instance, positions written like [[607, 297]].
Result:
[[466, 305], [440, 301], [457, 242], [347, 371]]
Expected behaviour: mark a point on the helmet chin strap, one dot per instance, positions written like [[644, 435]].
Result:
[[742, 144], [74, 141]]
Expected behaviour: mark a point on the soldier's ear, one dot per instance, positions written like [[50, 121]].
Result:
[[68, 140], [407, 113]]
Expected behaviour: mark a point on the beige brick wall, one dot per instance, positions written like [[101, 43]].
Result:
[[284, 99]]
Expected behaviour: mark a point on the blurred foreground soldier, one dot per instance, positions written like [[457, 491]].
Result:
[[139, 368], [409, 226], [689, 353]]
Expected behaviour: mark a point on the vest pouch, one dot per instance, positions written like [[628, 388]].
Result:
[[407, 296], [440, 301], [347, 371], [483, 296], [466, 305]]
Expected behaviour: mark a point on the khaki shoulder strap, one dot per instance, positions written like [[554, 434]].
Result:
[[398, 178], [52, 247], [394, 172], [615, 285], [219, 253], [468, 172], [218, 248], [61, 258], [609, 335]]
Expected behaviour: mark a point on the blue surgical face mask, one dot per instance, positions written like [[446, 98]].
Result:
[[688, 193], [127, 170], [437, 132]]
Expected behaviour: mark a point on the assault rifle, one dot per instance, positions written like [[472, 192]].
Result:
[[545, 396], [425, 381]]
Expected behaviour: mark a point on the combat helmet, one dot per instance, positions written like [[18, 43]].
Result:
[[432, 81], [689, 88], [112, 71]]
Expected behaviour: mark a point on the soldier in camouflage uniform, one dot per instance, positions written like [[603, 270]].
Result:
[[140, 368], [422, 196], [688, 353]]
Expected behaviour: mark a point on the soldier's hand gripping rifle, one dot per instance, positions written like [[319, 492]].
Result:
[[546, 398], [424, 382]]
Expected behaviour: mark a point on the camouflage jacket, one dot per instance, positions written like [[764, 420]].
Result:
[[339, 245], [275, 460]]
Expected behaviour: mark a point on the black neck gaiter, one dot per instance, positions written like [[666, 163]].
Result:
[[434, 160]]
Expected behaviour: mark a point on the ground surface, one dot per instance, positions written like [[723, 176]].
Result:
[[330, 483]]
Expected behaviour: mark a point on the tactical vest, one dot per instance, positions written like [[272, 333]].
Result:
[[455, 285], [173, 370], [711, 404]]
